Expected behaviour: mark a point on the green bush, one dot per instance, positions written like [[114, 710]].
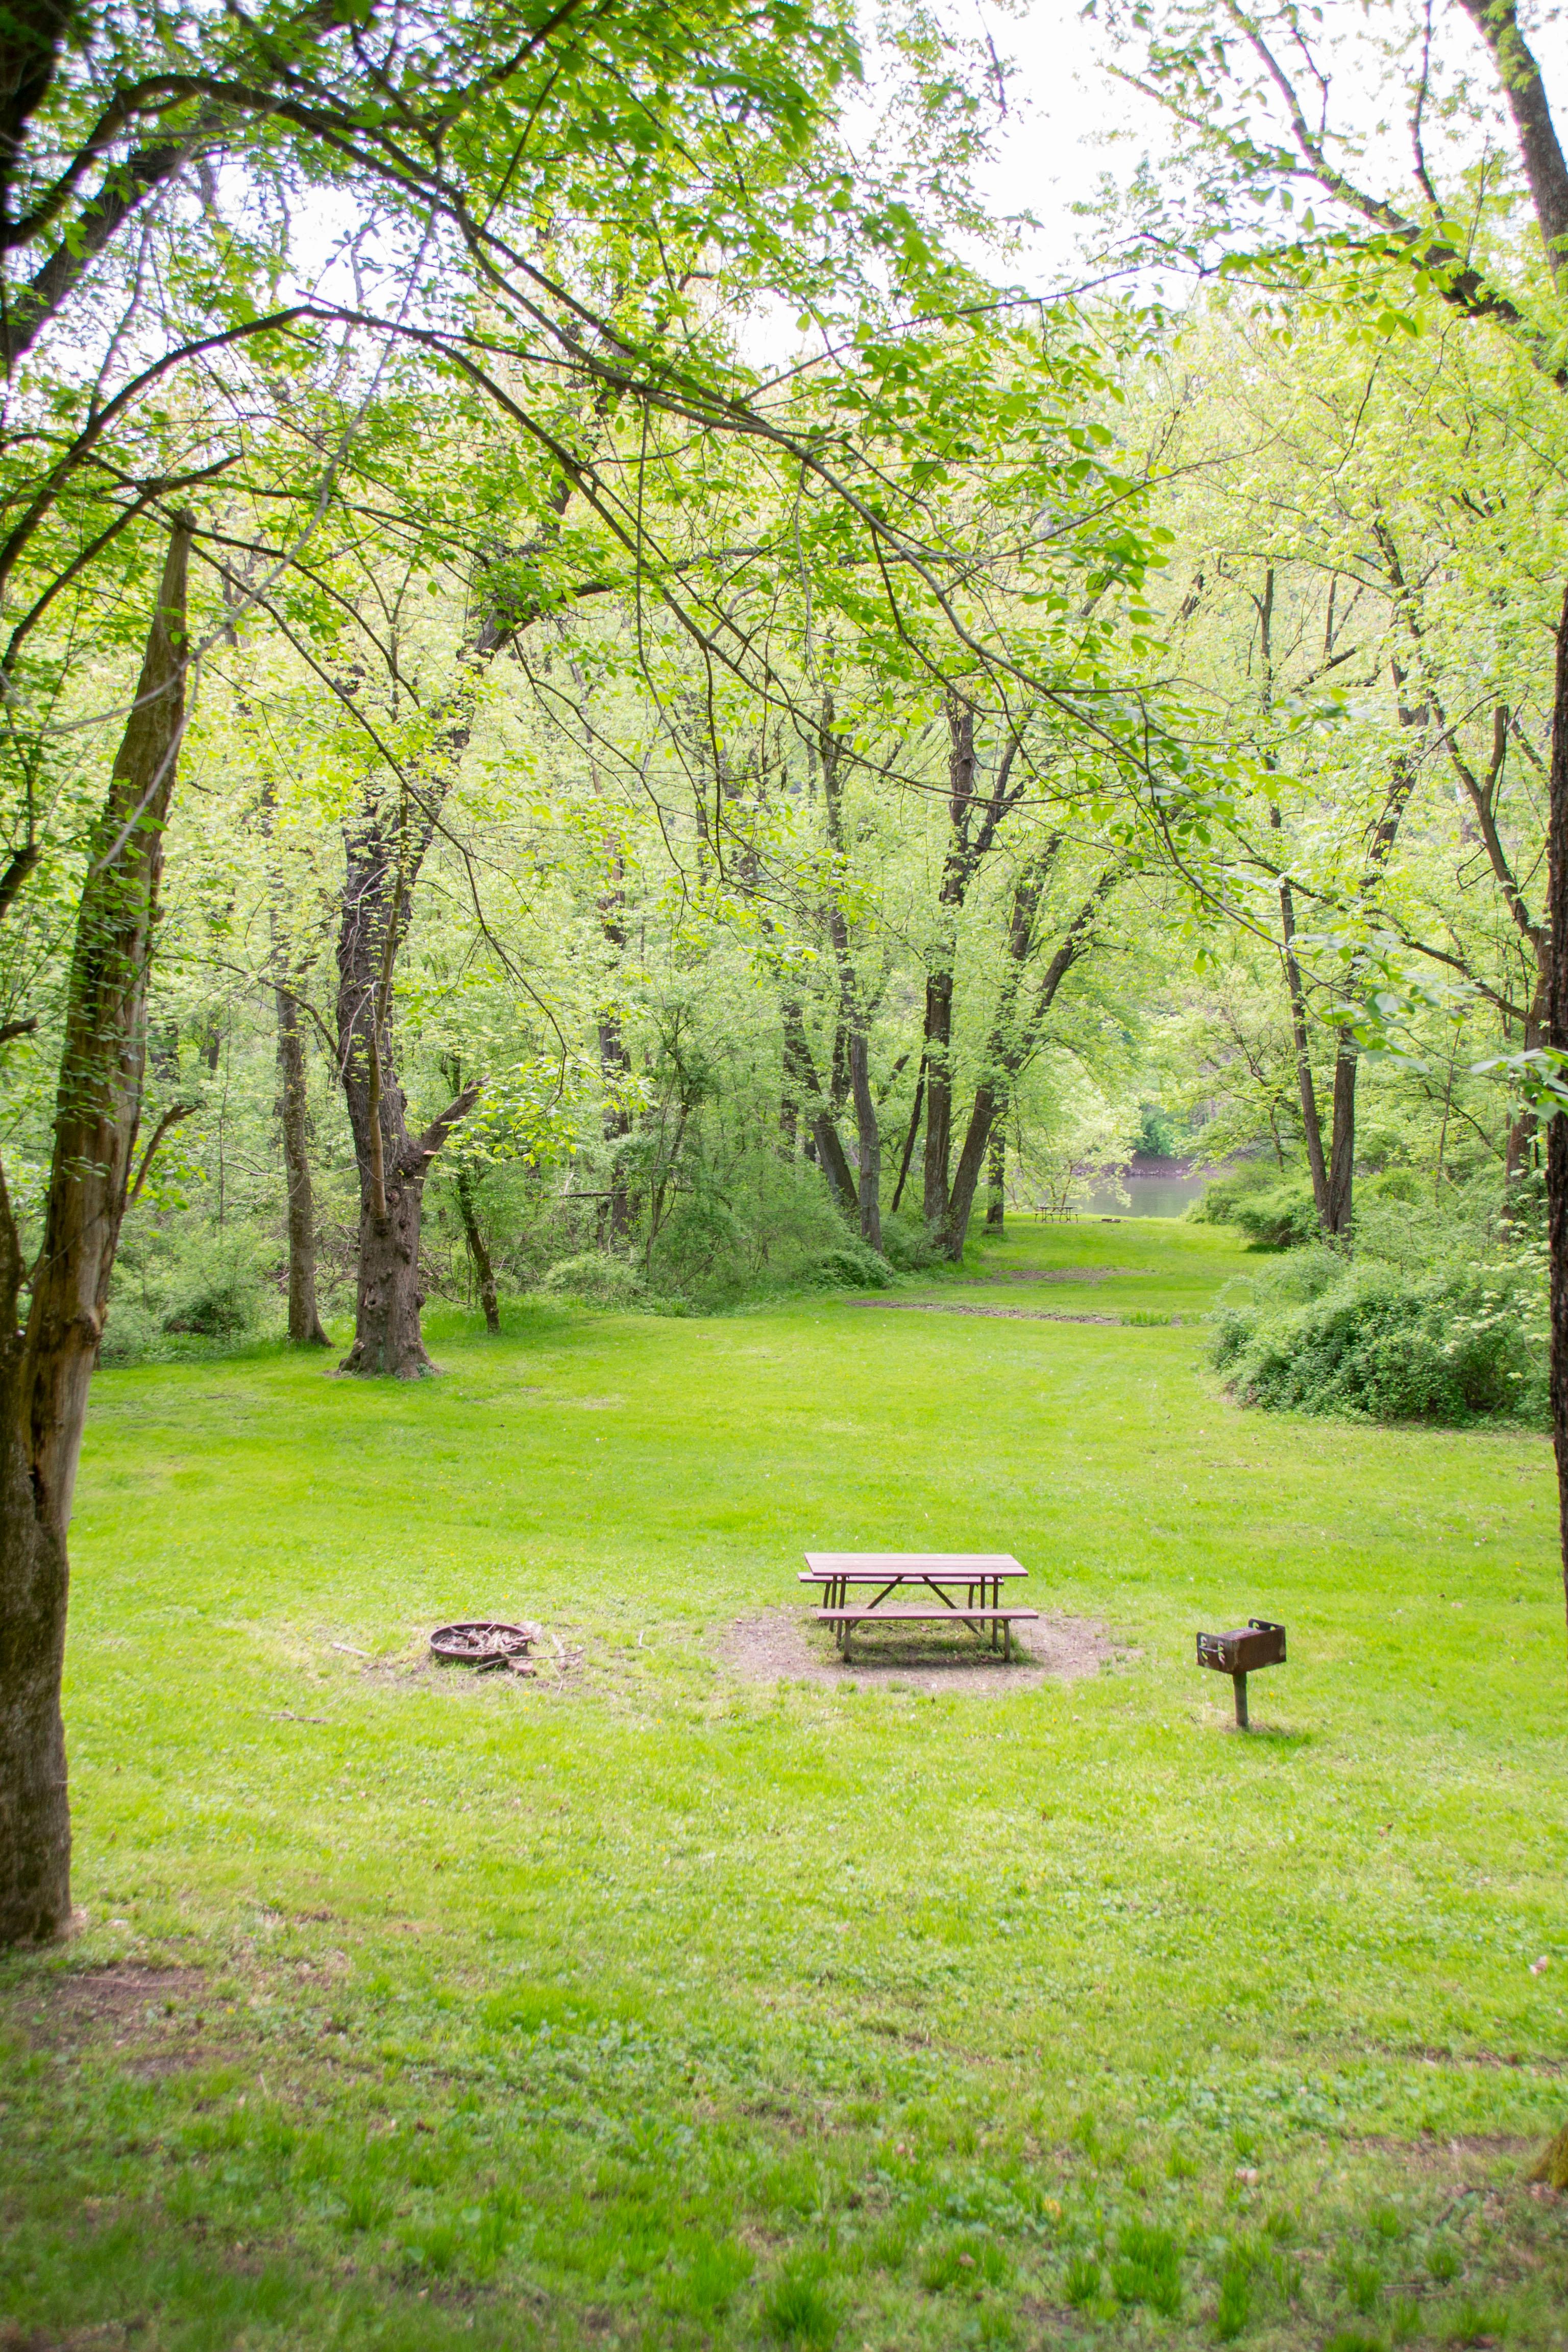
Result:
[[182, 1288], [1284, 1217], [597, 1279], [851, 1265], [1377, 1342], [1220, 1198], [907, 1246]]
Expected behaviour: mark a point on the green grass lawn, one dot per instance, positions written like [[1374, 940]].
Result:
[[644, 2005]]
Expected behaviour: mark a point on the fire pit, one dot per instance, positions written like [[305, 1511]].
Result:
[[484, 1644]]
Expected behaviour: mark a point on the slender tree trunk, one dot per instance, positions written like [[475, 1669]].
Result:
[[478, 1255], [304, 1322], [45, 1370], [1342, 1159], [1014, 1038], [1557, 1036], [869, 1140], [824, 1128], [996, 1171], [1311, 1124], [913, 1130], [615, 1063], [939, 1096]]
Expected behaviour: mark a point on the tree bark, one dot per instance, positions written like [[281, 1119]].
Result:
[[478, 1252], [1496, 21], [1557, 1037], [869, 1141], [45, 1369], [383, 859], [1339, 1199], [1311, 1124], [384, 846], [799, 1060], [1013, 1040], [304, 1322], [850, 1039], [293, 1107], [996, 1173]]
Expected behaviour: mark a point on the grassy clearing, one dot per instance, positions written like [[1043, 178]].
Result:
[[644, 2006]]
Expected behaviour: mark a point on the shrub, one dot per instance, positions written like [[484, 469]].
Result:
[[1218, 1203], [1282, 1218], [183, 1289], [597, 1279], [1375, 1342], [907, 1246], [851, 1265]]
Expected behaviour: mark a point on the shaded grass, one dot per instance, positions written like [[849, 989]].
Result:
[[637, 2005]]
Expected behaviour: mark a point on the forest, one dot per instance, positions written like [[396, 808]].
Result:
[[659, 712]]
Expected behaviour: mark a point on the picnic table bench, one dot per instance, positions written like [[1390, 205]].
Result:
[[1049, 1214], [939, 1573]]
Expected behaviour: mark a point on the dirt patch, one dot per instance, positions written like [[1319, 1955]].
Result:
[[780, 1647], [76, 2003], [153, 2020]]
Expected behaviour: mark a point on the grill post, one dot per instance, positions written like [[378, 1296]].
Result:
[[1239, 1680]]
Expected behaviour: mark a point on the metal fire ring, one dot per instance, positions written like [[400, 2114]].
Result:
[[482, 1642]]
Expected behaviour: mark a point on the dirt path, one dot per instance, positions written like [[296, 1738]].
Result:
[[779, 1647]]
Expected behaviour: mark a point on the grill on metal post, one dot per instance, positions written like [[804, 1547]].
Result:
[[1258, 1643]]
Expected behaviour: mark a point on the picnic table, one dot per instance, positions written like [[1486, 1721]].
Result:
[[939, 1574]]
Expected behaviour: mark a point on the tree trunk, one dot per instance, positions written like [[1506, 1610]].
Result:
[[799, 1060], [996, 1170], [1557, 1037], [478, 1255], [869, 1140], [1311, 1124], [384, 845], [1013, 1039], [913, 1130], [392, 1164], [45, 1369], [304, 1322], [939, 1096], [1341, 1157]]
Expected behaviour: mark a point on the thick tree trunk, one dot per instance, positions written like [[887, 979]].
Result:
[[1557, 1037], [479, 1252], [304, 1322], [384, 845], [45, 1370], [393, 1164]]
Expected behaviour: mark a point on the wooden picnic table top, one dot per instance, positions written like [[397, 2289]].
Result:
[[908, 1567]]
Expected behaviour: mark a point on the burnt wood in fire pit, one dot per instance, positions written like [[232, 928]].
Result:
[[485, 1644]]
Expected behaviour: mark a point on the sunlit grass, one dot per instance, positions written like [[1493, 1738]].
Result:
[[641, 2004]]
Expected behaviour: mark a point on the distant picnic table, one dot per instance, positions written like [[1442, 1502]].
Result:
[[1051, 1214], [939, 1574]]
